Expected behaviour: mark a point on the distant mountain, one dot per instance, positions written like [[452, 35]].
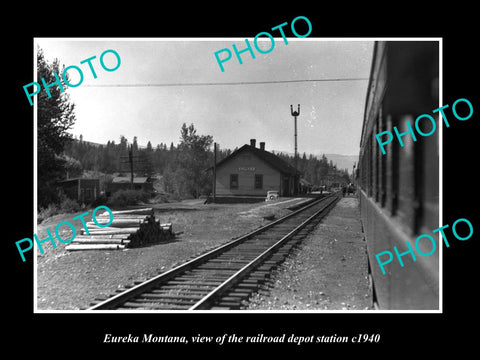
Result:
[[95, 144], [91, 143], [343, 161]]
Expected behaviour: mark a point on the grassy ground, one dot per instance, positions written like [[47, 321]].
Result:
[[70, 280]]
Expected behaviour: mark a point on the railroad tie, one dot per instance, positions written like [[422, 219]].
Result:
[[228, 276]]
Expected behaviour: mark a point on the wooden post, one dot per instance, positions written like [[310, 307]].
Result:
[[214, 171], [130, 158]]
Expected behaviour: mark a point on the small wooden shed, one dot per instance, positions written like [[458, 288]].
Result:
[[84, 190], [125, 183]]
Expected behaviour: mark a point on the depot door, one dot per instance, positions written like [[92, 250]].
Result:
[[286, 187]]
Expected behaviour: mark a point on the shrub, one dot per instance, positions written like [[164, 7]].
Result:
[[128, 197], [65, 205], [46, 212], [68, 205]]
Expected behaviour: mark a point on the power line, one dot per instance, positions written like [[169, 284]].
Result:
[[230, 83]]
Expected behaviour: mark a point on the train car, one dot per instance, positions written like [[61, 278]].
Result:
[[399, 190]]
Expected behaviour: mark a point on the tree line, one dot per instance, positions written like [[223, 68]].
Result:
[[182, 167]]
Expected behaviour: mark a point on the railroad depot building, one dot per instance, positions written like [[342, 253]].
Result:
[[252, 171]]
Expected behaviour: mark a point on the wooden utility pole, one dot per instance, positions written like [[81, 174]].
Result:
[[214, 170], [130, 159]]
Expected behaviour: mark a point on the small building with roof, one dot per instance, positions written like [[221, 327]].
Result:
[[83, 190], [125, 183], [252, 171]]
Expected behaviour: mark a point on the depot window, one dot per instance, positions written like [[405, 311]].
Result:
[[258, 181], [233, 181]]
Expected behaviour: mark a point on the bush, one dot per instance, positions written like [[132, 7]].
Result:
[[128, 197], [65, 205], [68, 205], [46, 212]]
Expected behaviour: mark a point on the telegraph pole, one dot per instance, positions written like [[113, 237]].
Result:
[[130, 159], [295, 159], [214, 171]]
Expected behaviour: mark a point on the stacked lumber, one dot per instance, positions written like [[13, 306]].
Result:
[[129, 228]]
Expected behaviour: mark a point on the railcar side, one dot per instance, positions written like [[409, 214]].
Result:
[[399, 190]]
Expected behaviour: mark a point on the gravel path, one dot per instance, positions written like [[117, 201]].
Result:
[[327, 272]]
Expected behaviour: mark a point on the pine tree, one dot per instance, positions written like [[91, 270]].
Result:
[[135, 144], [149, 147], [55, 117]]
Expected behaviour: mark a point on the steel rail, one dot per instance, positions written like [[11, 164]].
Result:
[[208, 300], [112, 302]]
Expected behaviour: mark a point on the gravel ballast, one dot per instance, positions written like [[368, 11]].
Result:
[[329, 271]]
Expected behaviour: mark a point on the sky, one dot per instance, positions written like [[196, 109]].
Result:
[[153, 91]]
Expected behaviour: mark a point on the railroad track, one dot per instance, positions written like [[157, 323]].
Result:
[[223, 278]]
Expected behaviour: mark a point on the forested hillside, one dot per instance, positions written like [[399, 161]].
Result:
[[182, 166]]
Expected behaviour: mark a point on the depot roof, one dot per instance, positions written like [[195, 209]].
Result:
[[271, 159]]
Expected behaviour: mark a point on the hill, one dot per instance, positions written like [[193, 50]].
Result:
[[343, 161]]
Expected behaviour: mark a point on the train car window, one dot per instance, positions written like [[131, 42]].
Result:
[[370, 166], [430, 182], [391, 171], [363, 169], [419, 163], [406, 175], [376, 170], [382, 163], [394, 173]]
